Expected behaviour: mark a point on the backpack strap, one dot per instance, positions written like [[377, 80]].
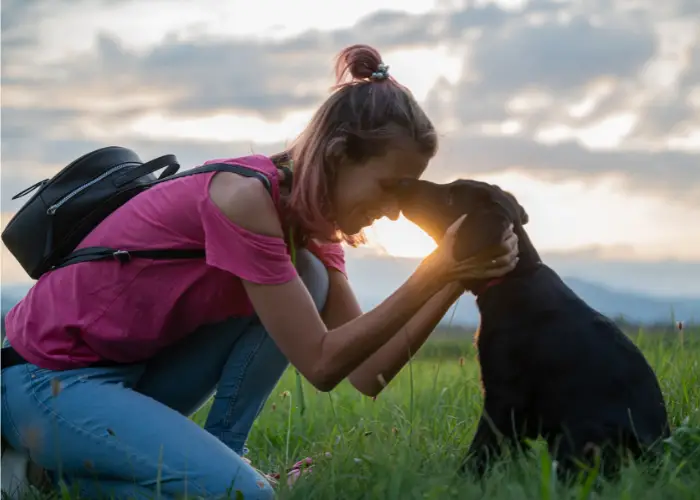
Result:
[[105, 253], [90, 254], [222, 167], [168, 161]]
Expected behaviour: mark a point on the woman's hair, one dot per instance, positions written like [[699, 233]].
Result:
[[367, 114]]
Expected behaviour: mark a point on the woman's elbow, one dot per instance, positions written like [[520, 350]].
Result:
[[365, 387], [324, 379], [326, 383]]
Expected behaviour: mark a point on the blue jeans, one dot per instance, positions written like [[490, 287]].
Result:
[[124, 432]]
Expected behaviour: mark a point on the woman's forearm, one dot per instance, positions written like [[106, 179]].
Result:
[[373, 375], [346, 347]]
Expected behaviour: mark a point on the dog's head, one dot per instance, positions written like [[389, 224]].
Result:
[[434, 207]]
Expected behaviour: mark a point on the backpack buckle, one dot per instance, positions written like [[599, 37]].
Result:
[[122, 256]]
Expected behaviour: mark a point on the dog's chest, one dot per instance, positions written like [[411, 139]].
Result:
[[501, 356]]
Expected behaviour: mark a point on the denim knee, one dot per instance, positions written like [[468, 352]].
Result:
[[314, 275]]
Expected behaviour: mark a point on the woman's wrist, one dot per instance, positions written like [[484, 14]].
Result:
[[454, 289], [428, 279], [431, 273]]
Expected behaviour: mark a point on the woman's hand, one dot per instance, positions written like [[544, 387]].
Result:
[[492, 263]]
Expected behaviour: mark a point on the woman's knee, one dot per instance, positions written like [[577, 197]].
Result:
[[314, 275]]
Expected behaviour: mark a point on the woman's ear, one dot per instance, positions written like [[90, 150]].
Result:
[[336, 151]]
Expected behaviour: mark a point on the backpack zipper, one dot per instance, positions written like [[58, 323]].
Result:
[[52, 209]]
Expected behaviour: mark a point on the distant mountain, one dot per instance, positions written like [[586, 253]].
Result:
[[374, 278]]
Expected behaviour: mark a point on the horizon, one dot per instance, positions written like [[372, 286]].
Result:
[[589, 114]]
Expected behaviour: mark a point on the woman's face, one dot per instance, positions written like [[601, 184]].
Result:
[[359, 197]]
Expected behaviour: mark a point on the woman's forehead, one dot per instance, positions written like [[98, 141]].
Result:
[[405, 162]]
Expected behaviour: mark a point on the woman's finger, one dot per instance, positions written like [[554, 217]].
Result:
[[497, 268], [508, 232], [503, 261], [499, 262], [452, 230], [511, 242]]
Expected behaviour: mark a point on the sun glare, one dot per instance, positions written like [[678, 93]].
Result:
[[400, 238]]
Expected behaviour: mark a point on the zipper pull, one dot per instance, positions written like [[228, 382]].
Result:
[[30, 189]]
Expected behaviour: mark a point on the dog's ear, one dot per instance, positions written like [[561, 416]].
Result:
[[517, 208], [522, 214], [524, 218], [478, 232]]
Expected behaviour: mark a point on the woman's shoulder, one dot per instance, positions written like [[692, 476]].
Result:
[[245, 202]]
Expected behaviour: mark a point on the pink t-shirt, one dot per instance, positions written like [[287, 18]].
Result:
[[87, 312]]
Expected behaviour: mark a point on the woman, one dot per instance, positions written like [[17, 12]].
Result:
[[185, 328]]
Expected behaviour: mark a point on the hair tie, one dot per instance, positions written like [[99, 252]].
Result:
[[382, 72]]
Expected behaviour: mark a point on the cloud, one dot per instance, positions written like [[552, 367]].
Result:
[[674, 174], [266, 77], [548, 56], [559, 57]]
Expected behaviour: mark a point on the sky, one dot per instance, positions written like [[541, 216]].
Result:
[[587, 110]]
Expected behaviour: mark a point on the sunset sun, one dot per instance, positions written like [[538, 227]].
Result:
[[400, 238]]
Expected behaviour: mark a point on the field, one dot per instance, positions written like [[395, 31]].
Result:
[[407, 443]]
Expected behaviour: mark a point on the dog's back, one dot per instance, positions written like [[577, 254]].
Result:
[[586, 382]]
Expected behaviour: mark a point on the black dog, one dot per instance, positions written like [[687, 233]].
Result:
[[551, 366]]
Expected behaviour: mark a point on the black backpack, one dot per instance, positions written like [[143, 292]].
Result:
[[43, 234]]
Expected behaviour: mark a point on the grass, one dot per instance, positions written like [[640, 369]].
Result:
[[408, 443]]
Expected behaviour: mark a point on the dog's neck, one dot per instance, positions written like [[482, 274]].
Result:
[[529, 261]]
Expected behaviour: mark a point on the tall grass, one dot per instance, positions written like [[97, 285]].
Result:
[[409, 441]]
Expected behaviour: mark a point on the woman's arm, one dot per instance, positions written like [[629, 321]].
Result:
[[382, 366], [324, 357]]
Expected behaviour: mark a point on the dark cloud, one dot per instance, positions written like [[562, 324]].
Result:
[[687, 7], [666, 116], [558, 56], [673, 173], [674, 112], [560, 60]]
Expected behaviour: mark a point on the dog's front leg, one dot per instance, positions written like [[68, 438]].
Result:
[[484, 446], [494, 433]]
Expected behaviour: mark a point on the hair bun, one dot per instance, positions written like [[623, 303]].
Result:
[[359, 61]]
